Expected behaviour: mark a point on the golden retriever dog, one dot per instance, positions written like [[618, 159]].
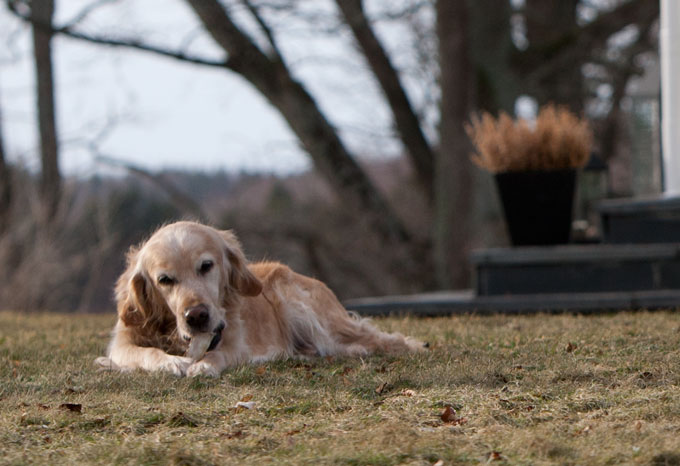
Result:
[[190, 285]]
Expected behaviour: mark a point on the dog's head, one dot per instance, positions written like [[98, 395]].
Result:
[[186, 271]]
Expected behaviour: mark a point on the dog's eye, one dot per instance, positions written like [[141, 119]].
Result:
[[165, 280], [206, 266]]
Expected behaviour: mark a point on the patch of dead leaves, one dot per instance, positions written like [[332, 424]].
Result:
[[295, 431], [245, 403], [450, 416], [72, 407], [241, 405], [382, 388], [495, 456]]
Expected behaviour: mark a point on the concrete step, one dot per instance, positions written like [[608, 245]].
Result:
[[577, 269], [465, 302], [640, 220]]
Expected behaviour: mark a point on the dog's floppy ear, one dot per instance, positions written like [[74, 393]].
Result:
[[240, 277], [134, 295]]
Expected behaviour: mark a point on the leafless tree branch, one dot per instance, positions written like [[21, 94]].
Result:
[[621, 74], [275, 81], [68, 31], [86, 11], [405, 117], [542, 60], [265, 28]]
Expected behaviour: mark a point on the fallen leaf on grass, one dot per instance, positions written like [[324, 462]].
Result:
[[381, 388], [295, 431], [247, 397], [450, 416], [495, 456], [570, 347], [408, 392], [585, 430], [646, 375], [72, 407], [261, 370], [244, 404]]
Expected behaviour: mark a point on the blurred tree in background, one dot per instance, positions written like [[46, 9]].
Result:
[[50, 182], [472, 55]]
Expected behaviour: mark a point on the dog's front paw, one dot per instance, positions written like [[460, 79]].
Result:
[[104, 363], [202, 367], [176, 365]]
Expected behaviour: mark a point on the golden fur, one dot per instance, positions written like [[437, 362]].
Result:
[[267, 310]]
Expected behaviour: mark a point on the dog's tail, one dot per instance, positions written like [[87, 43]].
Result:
[[355, 332]]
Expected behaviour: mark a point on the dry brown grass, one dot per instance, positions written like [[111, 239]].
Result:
[[559, 140], [525, 390]]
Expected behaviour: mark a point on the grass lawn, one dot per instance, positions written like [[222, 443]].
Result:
[[521, 390]]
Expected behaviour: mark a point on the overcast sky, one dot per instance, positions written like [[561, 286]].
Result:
[[162, 113]]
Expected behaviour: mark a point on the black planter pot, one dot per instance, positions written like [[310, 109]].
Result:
[[538, 205]]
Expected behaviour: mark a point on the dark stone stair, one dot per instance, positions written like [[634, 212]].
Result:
[[577, 269], [636, 221], [637, 266]]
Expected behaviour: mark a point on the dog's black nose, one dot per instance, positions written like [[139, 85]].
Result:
[[197, 317]]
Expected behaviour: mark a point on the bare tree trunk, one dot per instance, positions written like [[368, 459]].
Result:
[[496, 86], [453, 169], [405, 117], [548, 23], [50, 185], [5, 185], [273, 79]]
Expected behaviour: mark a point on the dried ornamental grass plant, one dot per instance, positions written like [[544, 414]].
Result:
[[559, 140]]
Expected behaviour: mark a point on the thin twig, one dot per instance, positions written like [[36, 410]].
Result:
[[265, 29], [130, 43]]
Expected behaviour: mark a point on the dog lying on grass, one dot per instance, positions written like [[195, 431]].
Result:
[[189, 303]]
